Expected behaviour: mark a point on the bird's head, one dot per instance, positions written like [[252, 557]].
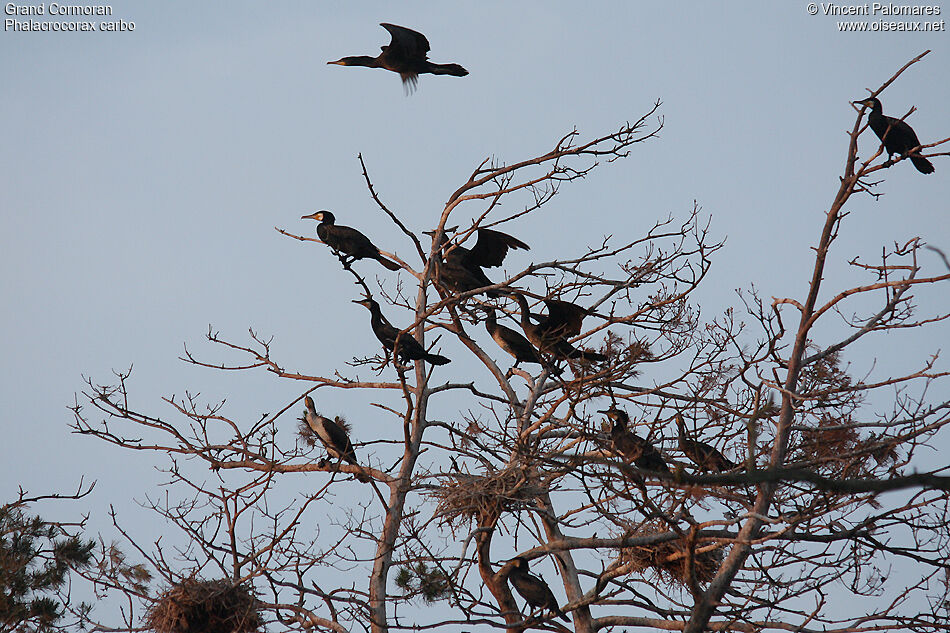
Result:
[[320, 216], [520, 563], [618, 416], [308, 402], [443, 234], [367, 302], [870, 102]]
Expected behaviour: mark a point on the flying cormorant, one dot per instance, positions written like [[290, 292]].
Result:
[[700, 453], [533, 589], [898, 137], [551, 333], [332, 435], [631, 446], [406, 55], [409, 347], [347, 241]]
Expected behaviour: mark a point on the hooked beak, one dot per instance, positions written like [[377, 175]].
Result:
[[313, 216]]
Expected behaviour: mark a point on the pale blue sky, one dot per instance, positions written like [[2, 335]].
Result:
[[142, 175]]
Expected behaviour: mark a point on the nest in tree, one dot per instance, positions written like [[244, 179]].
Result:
[[205, 606], [669, 559], [485, 497]]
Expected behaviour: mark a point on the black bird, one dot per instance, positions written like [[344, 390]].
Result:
[[700, 453], [461, 268], [409, 347], [631, 446], [347, 241], [333, 436], [406, 55], [550, 334], [512, 342], [533, 589], [898, 137]]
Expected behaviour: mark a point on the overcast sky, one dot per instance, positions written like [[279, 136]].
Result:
[[143, 174]]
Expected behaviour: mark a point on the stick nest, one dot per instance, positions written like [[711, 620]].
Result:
[[669, 559], [463, 497], [206, 606]]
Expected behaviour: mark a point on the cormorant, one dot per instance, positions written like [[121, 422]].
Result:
[[512, 342], [406, 55], [551, 333], [700, 453], [631, 446], [346, 240], [461, 268], [332, 435], [533, 589], [898, 137], [409, 347]]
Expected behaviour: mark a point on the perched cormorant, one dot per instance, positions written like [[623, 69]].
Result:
[[332, 435], [406, 55], [533, 589], [461, 268], [898, 137], [700, 453], [631, 446], [347, 241], [409, 347], [551, 333], [512, 342]]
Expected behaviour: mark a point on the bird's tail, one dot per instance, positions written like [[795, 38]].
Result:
[[447, 69], [388, 263], [435, 359], [561, 614], [923, 165], [362, 477]]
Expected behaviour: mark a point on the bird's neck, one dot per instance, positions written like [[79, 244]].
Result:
[[362, 60], [682, 433]]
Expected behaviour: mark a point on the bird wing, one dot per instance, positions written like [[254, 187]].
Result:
[[627, 446], [533, 589], [710, 457], [564, 318], [336, 435], [348, 240], [898, 136], [492, 246], [406, 42], [515, 344]]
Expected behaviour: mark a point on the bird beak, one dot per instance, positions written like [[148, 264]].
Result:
[[313, 216], [338, 62], [863, 102]]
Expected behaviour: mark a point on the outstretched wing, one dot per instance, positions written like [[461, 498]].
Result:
[[407, 43], [492, 246]]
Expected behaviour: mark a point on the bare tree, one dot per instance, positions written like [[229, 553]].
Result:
[[680, 474]]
